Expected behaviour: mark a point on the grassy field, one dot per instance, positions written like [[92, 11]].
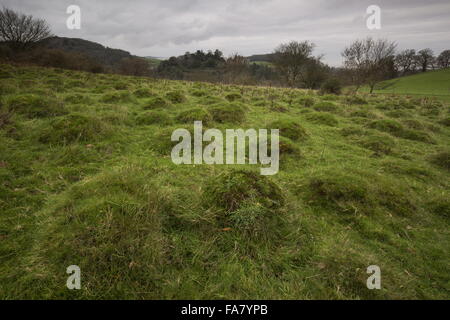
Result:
[[431, 83], [87, 179]]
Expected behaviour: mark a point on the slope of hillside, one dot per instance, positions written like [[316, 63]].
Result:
[[101, 54], [436, 83], [87, 180]]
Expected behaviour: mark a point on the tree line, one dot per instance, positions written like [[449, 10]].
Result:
[[365, 61]]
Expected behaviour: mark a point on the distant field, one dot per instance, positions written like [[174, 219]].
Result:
[[432, 83]]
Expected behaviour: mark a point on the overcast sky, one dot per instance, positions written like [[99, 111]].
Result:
[[163, 28]]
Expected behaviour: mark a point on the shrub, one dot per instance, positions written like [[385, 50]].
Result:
[[289, 129], [322, 118], [332, 86], [326, 106], [233, 112], [33, 106], [154, 117], [194, 114]]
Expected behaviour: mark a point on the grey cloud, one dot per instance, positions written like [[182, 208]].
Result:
[[165, 28]]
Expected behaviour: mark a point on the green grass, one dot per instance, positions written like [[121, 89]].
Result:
[[431, 83], [87, 180]]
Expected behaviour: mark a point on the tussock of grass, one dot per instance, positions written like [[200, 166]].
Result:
[[441, 159], [143, 93], [326, 106], [228, 113], [117, 228], [323, 118], [176, 97], [156, 102], [194, 114], [159, 117], [380, 144], [290, 129], [32, 106], [72, 128], [233, 189], [117, 96], [233, 96]]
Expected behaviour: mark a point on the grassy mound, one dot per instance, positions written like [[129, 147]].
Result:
[[117, 97], [379, 144], [143, 93], [194, 114], [155, 103], [233, 96], [306, 101], [441, 159], [176, 97], [289, 129], [74, 127], [233, 190], [159, 117], [323, 118], [353, 193], [396, 129], [116, 229], [229, 113], [32, 106], [326, 106]]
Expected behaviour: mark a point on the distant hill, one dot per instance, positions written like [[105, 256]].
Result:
[[261, 57], [435, 83], [97, 52]]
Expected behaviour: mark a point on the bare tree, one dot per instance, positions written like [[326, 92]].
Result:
[[371, 61], [291, 60], [443, 60], [405, 61], [21, 30], [425, 59]]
